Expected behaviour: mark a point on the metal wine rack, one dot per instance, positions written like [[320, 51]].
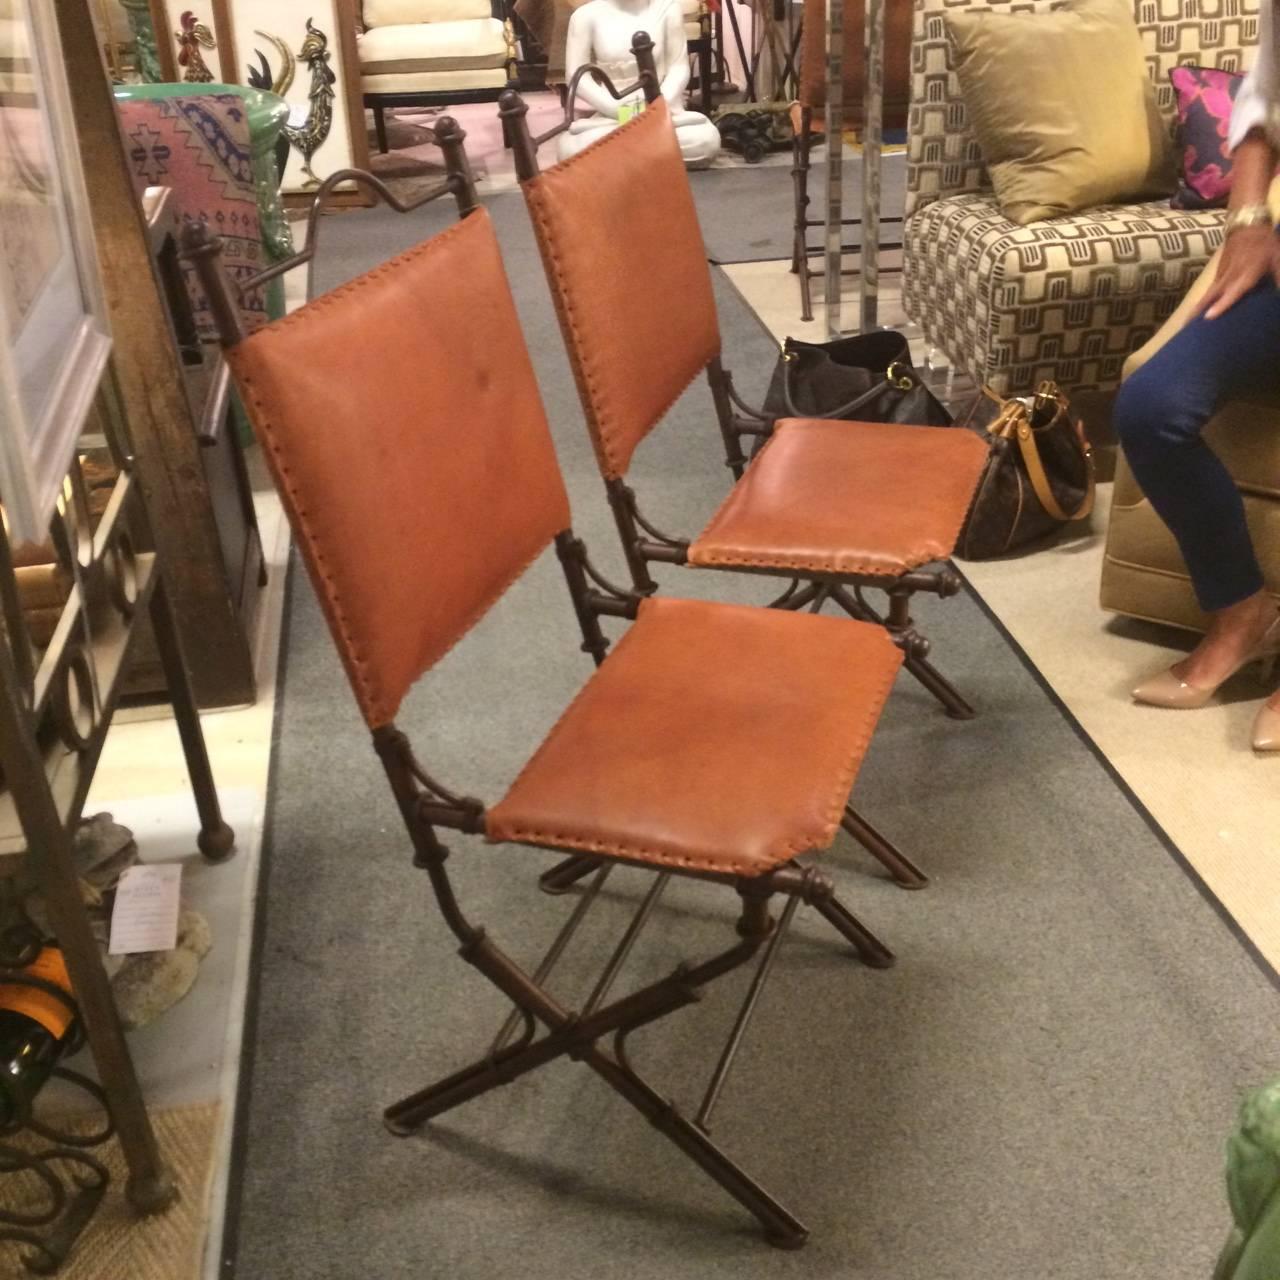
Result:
[[69, 1182], [69, 630]]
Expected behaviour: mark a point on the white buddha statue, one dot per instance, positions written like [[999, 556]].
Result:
[[600, 33]]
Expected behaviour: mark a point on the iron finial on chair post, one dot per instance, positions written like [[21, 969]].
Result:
[[204, 250], [450, 137], [642, 47], [514, 112]]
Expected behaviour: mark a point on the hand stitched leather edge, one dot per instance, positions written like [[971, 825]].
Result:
[[731, 559], [376, 706], [776, 855], [534, 201]]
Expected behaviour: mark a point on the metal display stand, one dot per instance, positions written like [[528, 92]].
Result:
[[57, 699], [71, 611], [835, 164], [72, 1182], [872, 143]]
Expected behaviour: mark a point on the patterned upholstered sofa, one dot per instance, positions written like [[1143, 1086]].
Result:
[[1071, 297]]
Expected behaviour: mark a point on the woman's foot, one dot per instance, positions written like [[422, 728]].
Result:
[[1237, 636], [1266, 728]]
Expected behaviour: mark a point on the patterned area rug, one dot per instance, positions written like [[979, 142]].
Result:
[[119, 1245]]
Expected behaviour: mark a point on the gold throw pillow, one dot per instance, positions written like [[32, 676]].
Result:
[[1062, 107]]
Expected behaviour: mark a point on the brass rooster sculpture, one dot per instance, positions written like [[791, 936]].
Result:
[[194, 36], [309, 136]]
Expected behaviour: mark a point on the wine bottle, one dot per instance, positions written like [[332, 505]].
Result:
[[33, 1033]]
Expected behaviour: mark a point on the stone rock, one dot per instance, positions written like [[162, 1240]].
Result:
[[147, 985], [100, 925], [103, 850], [101, 853]]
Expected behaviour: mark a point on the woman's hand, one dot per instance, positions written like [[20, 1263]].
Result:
[[1249, 256]]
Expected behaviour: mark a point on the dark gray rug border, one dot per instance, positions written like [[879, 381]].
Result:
[[229, 1245], [1267, 969]]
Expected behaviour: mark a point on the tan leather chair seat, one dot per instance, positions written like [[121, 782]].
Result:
[[715, 737], [847, 497]]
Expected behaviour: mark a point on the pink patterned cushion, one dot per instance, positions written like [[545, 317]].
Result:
[[1205, 97]]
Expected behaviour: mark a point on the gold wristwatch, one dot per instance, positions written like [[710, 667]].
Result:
[[1249, 215]]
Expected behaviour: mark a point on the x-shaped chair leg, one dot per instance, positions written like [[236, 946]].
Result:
[[578, 1035], [915, 647], [871, 951]]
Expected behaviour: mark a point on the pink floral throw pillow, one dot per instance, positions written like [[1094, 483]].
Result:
[[1205, 97]]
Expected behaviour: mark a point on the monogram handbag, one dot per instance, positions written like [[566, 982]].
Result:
[[1039, 475], [867, 378]]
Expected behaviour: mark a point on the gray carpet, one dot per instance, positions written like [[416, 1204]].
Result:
[[746, 212], [1040, 1088]]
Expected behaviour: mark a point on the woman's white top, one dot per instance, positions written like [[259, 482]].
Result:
[[1256, 99]]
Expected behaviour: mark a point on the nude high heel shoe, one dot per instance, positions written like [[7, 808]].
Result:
[[1167, 690], [1266, 729]]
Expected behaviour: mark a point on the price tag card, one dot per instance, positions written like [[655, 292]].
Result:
[[629, 110], [145, 917]]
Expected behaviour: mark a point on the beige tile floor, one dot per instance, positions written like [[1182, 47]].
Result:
[[192, 1053]]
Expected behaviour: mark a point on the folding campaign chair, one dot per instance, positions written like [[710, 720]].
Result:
[[837, 508], [419, 488]]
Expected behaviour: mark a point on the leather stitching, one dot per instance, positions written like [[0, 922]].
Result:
[[862, 569], [773, 856], [536, 199], [378, 708], [357, 665], [740, 558]]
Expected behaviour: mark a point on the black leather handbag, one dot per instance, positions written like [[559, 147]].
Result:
[[866, 378]]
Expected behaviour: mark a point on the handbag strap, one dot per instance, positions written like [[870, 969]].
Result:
[[1027, 446], [895, 376]]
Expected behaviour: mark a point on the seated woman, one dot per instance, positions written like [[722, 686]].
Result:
[[600, 33], [1232, 345]]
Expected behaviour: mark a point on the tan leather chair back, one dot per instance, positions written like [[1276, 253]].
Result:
[[402, 421], [628, 271]]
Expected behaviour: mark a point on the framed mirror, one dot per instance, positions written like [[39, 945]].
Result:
[[53, 328]]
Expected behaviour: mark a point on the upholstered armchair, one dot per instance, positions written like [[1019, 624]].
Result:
[[432, 53], [1071, 297], [1143, 575], [15, 73]]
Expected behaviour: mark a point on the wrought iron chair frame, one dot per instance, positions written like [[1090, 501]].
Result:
[[643, 543], [426, 806], [702, 48], [802, 142]]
